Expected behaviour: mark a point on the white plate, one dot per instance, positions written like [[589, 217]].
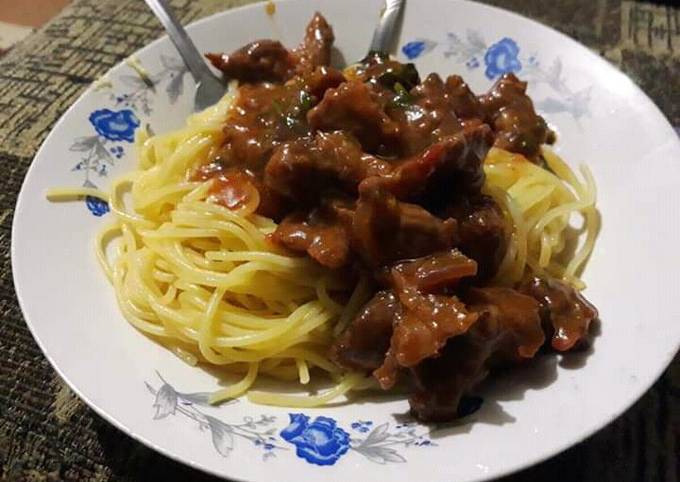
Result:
[[602, 119]]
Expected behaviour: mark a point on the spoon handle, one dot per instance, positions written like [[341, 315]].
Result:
[[186, 48], [384, 31]]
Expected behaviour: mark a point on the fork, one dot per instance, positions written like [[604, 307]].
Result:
[[209, 87]]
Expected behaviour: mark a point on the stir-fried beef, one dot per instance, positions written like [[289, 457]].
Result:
[[324, 233], [372, 170], [481, 230], [567, 313], [354, 108], [453, 165], [262, 60], [437, 272], [511, 114], [315, 50], [364, 344], [269, 61], [508, 329], [386, 230], [334, 161]]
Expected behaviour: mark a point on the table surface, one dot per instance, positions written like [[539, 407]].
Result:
[[47, 434]]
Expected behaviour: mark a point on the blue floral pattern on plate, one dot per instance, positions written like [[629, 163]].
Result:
[[260, 432], [506, 56], [96, 157], [321, 441], [501, 58], [416, 48], [362, 426], [96, 206], [115, 125]]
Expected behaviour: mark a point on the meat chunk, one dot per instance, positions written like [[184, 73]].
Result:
[[431, 111], [435, 272], [386, 230], [453, 166], [443, 107], [269, 61], [427, 320], [461, 168], [353, 107], [461, 99], [511, 320], [422, 321], [322, 233], [364, 344], [567, 314], [254, 126], [427, 118], [378, 68], [315, 50], [421, 331], [319, 80], [442, 381], [272, 204], [507, 328], [262, 60], [511, 114], [306, 168], [481, 230], [266, 115]]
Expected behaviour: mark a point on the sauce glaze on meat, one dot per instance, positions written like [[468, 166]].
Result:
[[374, 170]]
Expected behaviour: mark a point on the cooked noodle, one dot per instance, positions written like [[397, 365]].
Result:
[[539, 204]]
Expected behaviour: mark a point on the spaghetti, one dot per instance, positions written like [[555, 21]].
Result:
[[540, 204], [203, 280]]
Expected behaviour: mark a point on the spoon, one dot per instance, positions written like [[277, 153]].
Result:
[[209, 87]]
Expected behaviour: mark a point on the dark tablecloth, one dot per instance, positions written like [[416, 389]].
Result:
[[47, 434]]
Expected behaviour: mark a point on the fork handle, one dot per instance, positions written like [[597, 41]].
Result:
[[384, 31], [186, 48]]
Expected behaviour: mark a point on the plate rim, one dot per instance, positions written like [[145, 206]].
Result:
[[525, 463]]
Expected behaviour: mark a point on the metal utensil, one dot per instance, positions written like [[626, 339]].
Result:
[[384, 31], [209, 87]]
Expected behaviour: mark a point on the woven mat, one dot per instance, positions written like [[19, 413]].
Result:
[[47, 434]]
